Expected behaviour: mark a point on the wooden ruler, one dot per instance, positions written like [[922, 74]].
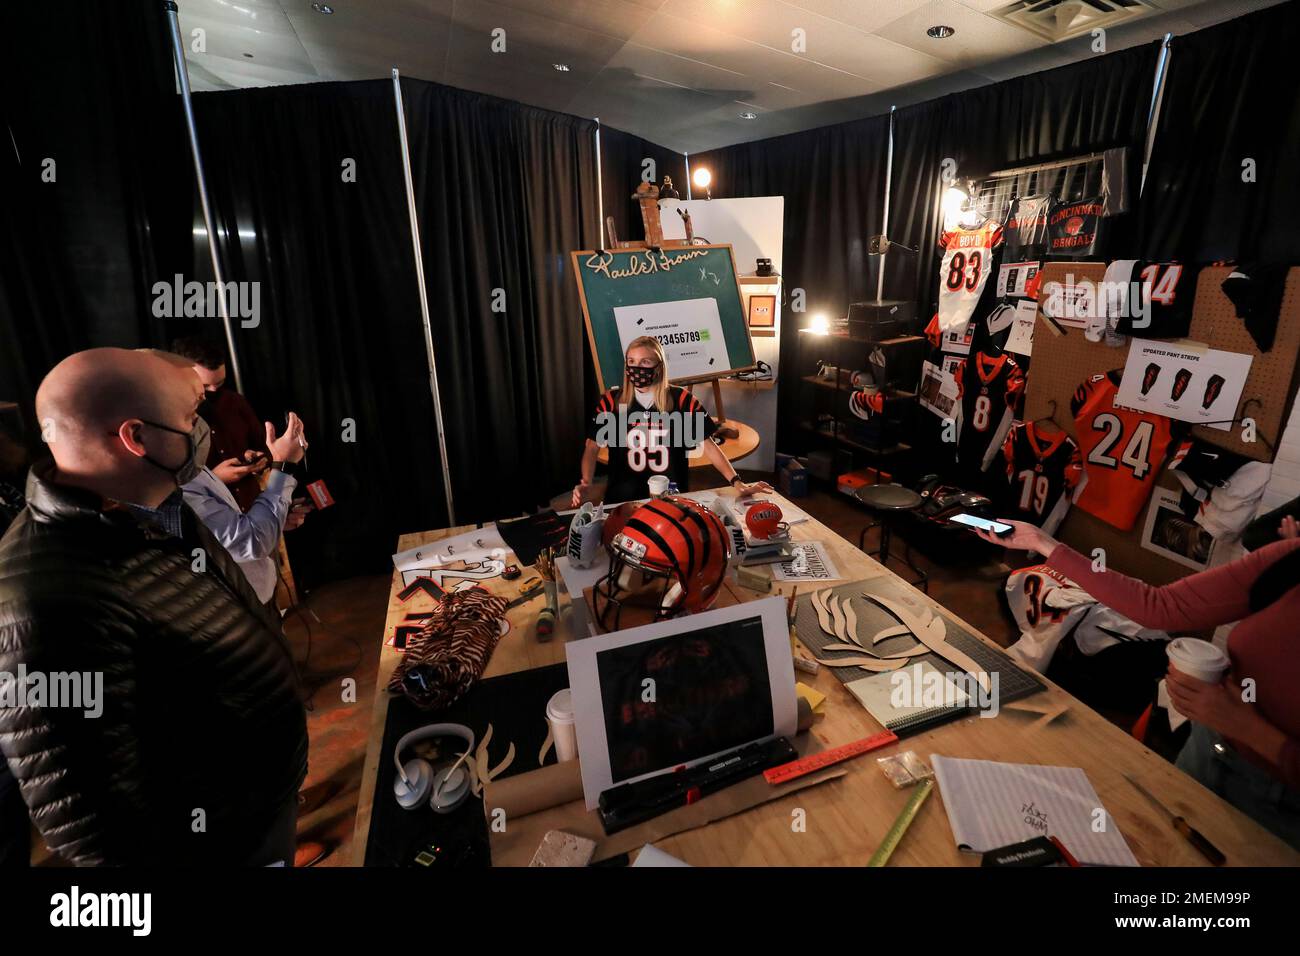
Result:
[[806, 765], [895, 834]]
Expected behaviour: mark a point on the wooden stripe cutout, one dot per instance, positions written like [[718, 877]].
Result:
[[932, 636], [837, 614], [866, 663], [851, 623], [911, 652], [898, 630], [823, 615]]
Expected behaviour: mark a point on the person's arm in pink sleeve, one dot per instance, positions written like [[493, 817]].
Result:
[[1206, 599]]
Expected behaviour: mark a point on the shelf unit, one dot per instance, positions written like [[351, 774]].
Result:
[[825, 401]]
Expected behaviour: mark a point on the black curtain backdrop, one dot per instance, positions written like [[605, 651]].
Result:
[[339, 337], [1230, 96], [1082, 108], [622, 164], [833, 181], [505, 192], [90, 86]]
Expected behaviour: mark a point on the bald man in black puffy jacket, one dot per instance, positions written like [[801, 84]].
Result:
[[196, 746]]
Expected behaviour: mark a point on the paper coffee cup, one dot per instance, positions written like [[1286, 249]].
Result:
[[658, 485], [559, 714], [1198, 659]]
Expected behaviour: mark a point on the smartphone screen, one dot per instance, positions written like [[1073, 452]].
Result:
[[984, 524]]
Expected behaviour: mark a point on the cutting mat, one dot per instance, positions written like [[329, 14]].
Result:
[[1013, 682]]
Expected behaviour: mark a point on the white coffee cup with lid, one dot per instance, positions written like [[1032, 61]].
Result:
[[559, 714], [658, 485], [1198, 659]]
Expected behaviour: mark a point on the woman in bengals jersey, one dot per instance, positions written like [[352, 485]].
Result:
[[1244, 747], [648, 425]]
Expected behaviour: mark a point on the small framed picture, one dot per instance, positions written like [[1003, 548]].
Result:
[[762, 311]]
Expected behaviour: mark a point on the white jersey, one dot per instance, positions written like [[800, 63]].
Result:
[[964, 270], [1048, 606]]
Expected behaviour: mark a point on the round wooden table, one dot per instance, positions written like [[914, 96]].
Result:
[[746, 443]]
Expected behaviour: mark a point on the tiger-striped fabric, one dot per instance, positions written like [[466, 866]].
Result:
[[451, 650]]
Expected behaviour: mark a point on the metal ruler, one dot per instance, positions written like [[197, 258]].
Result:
[[806, 765], [895, 834]]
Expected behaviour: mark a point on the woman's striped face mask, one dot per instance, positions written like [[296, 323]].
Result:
[[642, 376]]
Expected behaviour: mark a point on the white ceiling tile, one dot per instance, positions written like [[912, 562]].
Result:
[[615, 18], [868, 17], [978, 38], [275, 49], [774, 96], [987, 6], [694, 39], [679, 70]]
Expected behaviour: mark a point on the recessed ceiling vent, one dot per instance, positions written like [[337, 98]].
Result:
[[1056, 20]]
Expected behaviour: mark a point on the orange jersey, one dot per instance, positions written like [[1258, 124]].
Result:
[[1123, 450]]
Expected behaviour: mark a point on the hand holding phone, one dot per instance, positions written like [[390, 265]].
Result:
[[1018, 535], [999, 528]]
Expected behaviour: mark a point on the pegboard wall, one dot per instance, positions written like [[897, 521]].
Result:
[[1061, 363]]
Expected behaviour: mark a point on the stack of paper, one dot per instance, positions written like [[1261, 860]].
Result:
[[992, 805]]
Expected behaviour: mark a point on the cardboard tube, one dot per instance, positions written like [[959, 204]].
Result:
[[541, 789]]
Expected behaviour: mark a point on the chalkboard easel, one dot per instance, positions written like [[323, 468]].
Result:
[[686, 295]]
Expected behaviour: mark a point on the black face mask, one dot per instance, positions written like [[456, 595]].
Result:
[[199, 438], [642, 376]]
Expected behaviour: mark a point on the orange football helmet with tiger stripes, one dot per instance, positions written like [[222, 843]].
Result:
[[674, 543]]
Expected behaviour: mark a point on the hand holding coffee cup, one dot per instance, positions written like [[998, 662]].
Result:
[[1197, 659]]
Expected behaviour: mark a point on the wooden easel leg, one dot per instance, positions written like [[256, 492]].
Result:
[[721, 416]]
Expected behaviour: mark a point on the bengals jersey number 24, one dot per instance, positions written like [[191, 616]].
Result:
[[1123, 449]]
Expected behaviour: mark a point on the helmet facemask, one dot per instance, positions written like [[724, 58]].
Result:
[[631, 580]]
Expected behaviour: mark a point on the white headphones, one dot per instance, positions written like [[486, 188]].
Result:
[[417, 783]]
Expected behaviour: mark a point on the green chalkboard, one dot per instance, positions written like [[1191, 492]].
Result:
[[686, 296]]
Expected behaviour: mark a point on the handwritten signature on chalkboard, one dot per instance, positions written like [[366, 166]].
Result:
[[641, 263]]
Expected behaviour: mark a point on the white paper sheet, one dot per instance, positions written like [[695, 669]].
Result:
[[992, 805], [811, 562], [690, 331], [1015, 277], [938, 391], [1211, 381], [1021, 339]]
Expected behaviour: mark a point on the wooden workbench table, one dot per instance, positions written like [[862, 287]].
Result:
[[847, 818]]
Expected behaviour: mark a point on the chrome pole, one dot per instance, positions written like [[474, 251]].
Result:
[[424, 300], [183, 76], [884, 228], [1153, 117]]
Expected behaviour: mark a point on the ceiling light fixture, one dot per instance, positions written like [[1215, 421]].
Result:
[[747, 115], [562, 67], [940, 32], [324, 8]]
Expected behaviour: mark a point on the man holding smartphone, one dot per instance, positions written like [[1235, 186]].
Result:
[[238, 452], [252, 537]]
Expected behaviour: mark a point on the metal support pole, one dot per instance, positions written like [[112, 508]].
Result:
[[183, 76], [424, 300], [600, 194], [884, 229], [1153, 117], [687, 157]]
